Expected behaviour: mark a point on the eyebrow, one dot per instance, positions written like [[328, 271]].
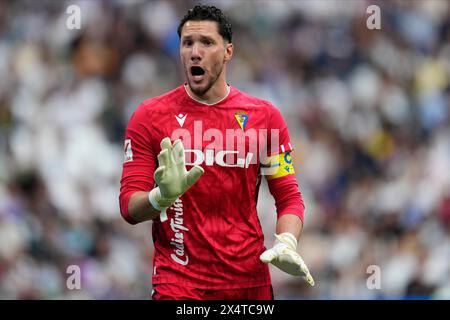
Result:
[[202, 37]]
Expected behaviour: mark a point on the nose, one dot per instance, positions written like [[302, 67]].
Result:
[[196, 54]]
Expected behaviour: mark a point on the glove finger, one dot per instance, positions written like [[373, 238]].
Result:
[[166, 144], [178, 153], [163, 158], [268, 256], [193, 175], [306, 274], [309, 279], [295, 265], [159, 174]]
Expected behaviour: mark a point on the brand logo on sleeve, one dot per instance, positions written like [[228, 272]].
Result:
[[181, 118], [128, 152]]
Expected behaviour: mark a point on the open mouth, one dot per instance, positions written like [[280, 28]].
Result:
[[197, 72]]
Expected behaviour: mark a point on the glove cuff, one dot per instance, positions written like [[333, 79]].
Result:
[[157, 201], [288, 239], [153, 196]]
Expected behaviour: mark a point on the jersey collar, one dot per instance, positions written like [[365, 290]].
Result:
[[204, 103]]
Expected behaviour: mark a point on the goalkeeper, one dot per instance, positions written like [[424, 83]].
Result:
[[202, 197]]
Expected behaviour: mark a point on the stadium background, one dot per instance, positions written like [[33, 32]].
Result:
[[368, 112]]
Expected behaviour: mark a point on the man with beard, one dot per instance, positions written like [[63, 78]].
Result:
[[194, 158]]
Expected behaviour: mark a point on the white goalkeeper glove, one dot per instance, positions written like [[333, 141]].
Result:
[[284, 256], [171, 176]]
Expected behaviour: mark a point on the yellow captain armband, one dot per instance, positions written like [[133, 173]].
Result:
[[278, 166]]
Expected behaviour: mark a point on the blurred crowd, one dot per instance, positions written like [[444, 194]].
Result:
[[368, 113]]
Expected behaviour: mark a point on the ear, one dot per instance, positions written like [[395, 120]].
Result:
[[228, 52]]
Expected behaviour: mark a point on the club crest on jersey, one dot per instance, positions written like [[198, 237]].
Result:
[[181, 118], [242, 118]]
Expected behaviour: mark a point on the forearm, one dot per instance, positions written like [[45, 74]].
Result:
[[289, 204], [140, 209], [284, 253], [290, 223]]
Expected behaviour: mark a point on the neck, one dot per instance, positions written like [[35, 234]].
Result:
[[215, 94]]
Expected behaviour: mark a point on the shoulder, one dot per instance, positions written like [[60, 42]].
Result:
[[158, 104], [246, 98], [163, 100], [241, 96]]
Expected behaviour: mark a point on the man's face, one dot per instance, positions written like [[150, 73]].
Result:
[[203, 53]]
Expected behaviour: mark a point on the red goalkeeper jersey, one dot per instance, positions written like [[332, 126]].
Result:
[[213, 237]]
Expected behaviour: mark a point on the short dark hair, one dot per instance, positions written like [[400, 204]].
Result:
[[211, 13]]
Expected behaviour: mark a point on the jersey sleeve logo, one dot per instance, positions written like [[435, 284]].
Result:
[[128, 152]]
